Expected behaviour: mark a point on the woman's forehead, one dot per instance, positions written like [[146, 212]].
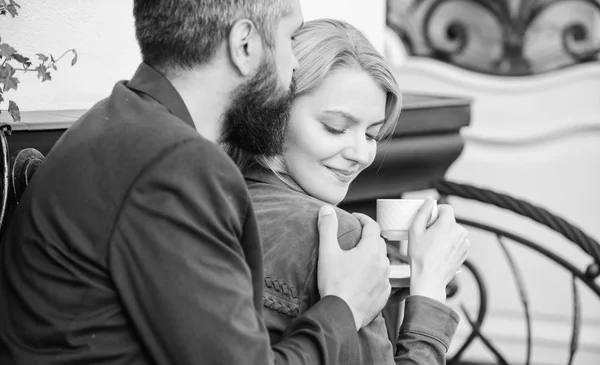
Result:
[[350, 94]]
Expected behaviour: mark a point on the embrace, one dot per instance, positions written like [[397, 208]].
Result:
[[191, 216]]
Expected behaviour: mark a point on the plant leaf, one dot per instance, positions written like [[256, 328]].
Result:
[[22, 59], [10, 83], [6, 71], [43, 73], [12, 9], [1, 97], [74, 61], [14, 111], [42, 57], [6, 50]]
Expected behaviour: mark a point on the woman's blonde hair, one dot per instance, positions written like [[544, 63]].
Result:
[[322, 46]]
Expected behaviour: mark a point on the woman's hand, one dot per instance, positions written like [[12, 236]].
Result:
[[435, 253]]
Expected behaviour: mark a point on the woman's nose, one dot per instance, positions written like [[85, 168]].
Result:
[[358, 150]]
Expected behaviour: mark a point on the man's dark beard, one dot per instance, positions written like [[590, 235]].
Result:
[[256, 122]]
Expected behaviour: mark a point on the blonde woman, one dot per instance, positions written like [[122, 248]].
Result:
[[346, 101]]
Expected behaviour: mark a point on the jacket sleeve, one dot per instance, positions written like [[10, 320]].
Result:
[[179, 268], [374, 344], [427, 327], [426, 332]]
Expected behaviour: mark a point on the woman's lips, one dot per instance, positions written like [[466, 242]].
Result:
[[344, 176]]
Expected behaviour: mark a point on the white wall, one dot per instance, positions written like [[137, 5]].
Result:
[[103, 34], [366, 15], [101, 31]]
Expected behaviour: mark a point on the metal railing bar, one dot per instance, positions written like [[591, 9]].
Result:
[[484, 339], [483, 303], [576, 322], [520, 283], [544, 251]]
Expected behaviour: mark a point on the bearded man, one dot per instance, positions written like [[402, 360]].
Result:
[[136, 242]]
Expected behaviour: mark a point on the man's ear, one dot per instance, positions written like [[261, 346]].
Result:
[[245, 46]]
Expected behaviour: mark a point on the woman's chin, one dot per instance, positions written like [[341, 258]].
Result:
[[333, 198]]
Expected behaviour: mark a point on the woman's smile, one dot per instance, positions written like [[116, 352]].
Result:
[[345, 176]]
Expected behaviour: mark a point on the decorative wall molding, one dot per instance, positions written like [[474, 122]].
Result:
[[562, 99], [586, 72], [529, 136]]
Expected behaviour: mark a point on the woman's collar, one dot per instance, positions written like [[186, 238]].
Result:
[[260, 174]]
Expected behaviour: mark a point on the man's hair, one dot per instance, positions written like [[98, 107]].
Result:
[[183, 34]]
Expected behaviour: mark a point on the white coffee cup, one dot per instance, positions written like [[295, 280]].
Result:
[[395, 216]]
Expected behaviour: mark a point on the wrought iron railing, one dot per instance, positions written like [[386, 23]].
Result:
[[495, 36], [586, 275], [5, 130], [16, 170]]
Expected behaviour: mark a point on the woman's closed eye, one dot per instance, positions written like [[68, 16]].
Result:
[[335, 131], [332, 130]]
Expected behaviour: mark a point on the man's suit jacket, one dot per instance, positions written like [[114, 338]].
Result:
[[136, 243]]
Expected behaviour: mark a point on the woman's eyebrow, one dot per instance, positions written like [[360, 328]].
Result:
[[340, 113], [350, 117]]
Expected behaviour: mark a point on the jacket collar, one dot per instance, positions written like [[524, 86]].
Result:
[[149, 81], [262, 175]]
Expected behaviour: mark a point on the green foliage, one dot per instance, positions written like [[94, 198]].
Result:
[[11, 62]]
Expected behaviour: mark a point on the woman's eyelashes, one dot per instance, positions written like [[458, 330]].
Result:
[[332, 130], [336, 131]]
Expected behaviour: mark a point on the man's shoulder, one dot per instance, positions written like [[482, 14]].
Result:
[[128, 131], [134, 122], [100, 158]]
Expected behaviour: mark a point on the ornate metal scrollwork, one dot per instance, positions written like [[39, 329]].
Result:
[[500, 37]]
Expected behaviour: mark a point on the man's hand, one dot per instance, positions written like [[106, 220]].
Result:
[[435, 253], [359, 276]]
